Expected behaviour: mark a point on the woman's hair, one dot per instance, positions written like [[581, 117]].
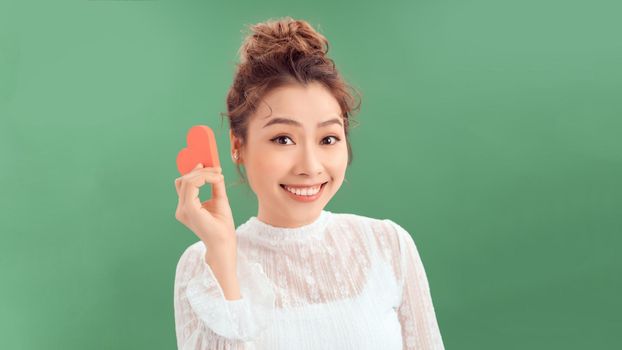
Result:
[[278, 53]]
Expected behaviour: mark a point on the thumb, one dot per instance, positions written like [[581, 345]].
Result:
[[219, 191], [198, 166]]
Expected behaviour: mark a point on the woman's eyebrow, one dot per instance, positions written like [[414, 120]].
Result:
[[280, 120]]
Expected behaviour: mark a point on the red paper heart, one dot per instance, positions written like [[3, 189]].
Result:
[[201, 149]]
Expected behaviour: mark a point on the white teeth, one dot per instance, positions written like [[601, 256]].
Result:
[[310, 191]]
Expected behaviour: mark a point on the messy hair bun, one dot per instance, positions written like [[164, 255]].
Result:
[[286, 38], [282, 52]]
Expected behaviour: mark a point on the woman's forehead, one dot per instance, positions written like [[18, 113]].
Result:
[[296, 99]]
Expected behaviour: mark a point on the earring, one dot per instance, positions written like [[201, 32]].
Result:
[[235, 155]]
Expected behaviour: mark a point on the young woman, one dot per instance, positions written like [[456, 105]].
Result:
[[296, 276]]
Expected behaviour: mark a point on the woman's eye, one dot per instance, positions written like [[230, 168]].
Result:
[[287, 137], [335, 137], [279, 138]]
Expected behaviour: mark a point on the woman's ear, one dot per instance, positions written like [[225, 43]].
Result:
[[235, 147]]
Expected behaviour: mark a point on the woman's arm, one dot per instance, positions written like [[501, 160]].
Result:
[[420, 329], [205, 319]]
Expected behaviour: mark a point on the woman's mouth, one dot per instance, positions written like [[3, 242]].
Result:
[[304, 195]]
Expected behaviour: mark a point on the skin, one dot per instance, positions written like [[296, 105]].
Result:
[[304, 155]]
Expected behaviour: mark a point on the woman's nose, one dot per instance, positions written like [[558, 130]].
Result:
[[311, 161]]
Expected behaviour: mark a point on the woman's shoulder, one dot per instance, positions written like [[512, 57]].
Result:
[[383, 229], [197, 246], [190, 253], [355, 218], [380, 224]]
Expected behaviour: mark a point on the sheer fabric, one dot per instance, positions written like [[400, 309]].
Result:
[[344, 281]]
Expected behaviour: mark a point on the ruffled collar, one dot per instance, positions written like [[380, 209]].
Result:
[[256, 228]]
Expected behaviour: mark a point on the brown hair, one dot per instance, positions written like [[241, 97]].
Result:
[[282, 52]]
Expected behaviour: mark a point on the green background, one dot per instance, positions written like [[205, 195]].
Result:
[[490, 130]]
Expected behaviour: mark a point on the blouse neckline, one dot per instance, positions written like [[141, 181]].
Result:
[[257, 228]]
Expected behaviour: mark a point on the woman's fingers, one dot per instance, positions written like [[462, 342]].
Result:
[[218, 188], [180, 180], [190, 183], [194, 184], [177, 185]]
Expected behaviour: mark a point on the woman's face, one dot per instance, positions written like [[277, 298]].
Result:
[[301, 143]]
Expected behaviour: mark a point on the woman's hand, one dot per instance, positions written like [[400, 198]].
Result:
[[212, 220]]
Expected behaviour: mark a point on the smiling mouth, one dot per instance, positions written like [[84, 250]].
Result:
[[321, 188], [322, 185]]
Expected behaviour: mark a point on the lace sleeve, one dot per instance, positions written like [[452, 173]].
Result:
[[204, 319], [420, 329]]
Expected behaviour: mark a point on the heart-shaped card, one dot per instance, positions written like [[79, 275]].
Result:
[[201, 149]]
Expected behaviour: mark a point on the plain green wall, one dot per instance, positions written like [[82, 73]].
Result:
[[490, 130]]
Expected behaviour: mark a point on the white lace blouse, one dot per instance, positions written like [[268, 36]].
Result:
[[344, 281]]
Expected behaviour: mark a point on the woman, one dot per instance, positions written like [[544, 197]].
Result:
[[296, 276]]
